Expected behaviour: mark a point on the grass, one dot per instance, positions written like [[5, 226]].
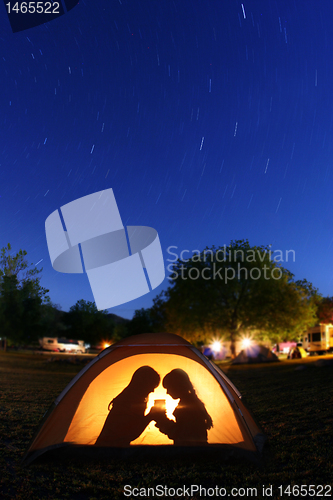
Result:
[[291, 401]]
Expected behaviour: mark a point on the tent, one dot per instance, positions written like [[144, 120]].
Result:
[[297, 352], [149, 393], [215, 354], [255, 354]]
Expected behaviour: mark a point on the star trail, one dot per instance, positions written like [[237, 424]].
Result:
[[211, 121]]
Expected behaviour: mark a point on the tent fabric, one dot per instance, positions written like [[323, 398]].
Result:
[[149, 391], [255, 354], [297, 352]]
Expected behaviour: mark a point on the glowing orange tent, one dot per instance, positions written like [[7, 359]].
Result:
[[150, 392]]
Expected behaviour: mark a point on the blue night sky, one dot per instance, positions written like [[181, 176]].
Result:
[[211, 120]]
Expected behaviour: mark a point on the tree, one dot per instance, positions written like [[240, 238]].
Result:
[[11, 309], [15, 265], [86, 322], [52, 320], [21, 296], [120, 332], [232, 290], [140, 323], [325, 310]]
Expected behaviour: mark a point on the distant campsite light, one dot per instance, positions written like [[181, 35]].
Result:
[[216, 346], [246, 343], [106, 344]]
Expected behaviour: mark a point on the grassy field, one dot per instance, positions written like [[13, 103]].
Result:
[[291, 401]]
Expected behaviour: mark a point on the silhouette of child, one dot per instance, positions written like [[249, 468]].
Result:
[[192, 419], [126, 420]]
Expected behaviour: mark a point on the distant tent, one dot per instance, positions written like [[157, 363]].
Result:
[[297, 353], [150, 392], [217, 355], [255, 354]]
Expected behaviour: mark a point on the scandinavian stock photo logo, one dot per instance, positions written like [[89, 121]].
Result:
[[122, 263], [227, 263]]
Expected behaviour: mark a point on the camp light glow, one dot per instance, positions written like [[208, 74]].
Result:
[[246, 343], [216, 346]]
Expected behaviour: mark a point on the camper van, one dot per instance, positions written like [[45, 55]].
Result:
[[319, 338], [56, 344]]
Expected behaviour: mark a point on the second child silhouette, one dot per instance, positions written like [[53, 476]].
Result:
[[192, 418]]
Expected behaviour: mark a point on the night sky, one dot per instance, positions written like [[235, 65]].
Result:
[[211, 121]]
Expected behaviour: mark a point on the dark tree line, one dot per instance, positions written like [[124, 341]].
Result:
[[21, 297], [27, 313], [223, 292]]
